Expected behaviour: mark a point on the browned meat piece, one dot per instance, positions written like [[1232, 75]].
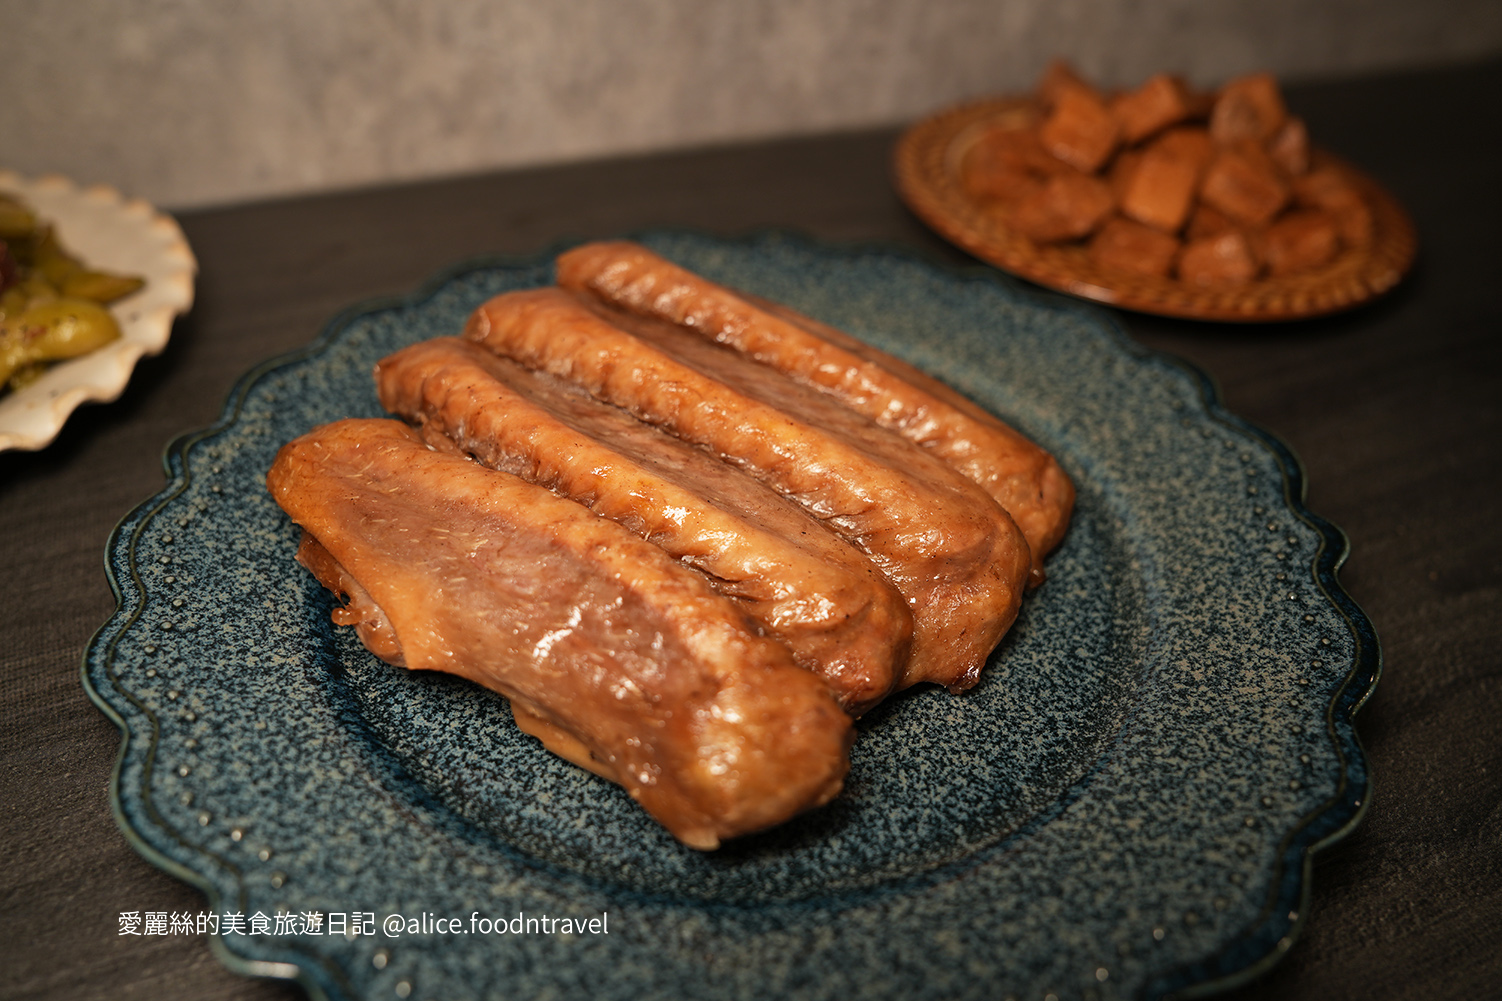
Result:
[[1226, 259], [1248, 108], [1160, 102], [359, 609], [1327, 187], [1023, 478], [1300, 241], [1244, 183], [1069, 206], [1163, 186], [1124, 245], [661, 681], [798, 581], [1080, 130], [955, 555], [1289, 147]]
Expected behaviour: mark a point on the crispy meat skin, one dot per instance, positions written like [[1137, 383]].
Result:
[[711, 727], [799, 581], [955, 555], [1023, 478]]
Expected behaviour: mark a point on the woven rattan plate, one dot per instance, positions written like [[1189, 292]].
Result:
[[928, 158]]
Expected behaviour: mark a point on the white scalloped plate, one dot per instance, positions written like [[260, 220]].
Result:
[[108, 231]]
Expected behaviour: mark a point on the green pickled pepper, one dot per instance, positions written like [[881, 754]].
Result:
[[54, 331]]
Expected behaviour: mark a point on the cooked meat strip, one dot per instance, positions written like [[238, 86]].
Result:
[[1024, 479], [799, 581], [955, 555], [666, 685]]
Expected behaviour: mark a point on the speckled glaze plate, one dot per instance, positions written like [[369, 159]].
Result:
[[107, 230], [927, 165], [1124, 807]]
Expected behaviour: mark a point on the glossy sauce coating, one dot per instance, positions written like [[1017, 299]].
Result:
[[464, 569], [953, 553], [1023, 478], [800, 582]]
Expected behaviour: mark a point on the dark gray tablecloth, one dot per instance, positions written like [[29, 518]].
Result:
[[1393, 408]]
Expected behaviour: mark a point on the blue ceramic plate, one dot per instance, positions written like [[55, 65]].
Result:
[[1124, 807]]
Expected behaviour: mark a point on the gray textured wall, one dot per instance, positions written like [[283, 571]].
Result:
[[190, 102]]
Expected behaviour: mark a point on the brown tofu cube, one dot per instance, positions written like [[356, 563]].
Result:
[[1069, 206], [1301, 241], [1248, 107], [1160, 102], [1289, 147], [1244, 183], [1205, 221], [1162, 188], [1328, 188], [1007, 164], [1190, 141], [1124, 245], [1080, 130], [1227, 259], [1057, 78]]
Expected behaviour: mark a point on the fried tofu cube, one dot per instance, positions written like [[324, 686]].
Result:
[[1249, 107], [1124, 245], [1080, 130], [1330, 189], [1301, 241], [1245, 184], [1191, 141], [1226, 259], [1205, 221], [1069, 206], [1006, 164], [1160, 102], [1289, 147], [1161, 190]]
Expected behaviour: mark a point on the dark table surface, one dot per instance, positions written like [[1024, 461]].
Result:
[[1394, 409]]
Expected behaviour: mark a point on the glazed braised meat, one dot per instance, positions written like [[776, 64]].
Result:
[[954, 554], [618, 656], [799, 582], [689, 534], [1023, 478]]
